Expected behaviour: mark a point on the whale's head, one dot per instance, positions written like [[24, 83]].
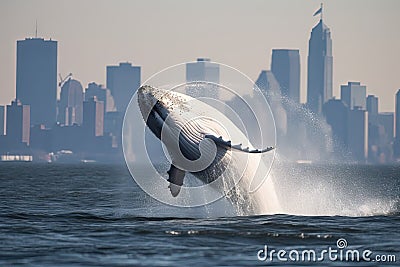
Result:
[[161, 107], [155, 107], [176, 112]]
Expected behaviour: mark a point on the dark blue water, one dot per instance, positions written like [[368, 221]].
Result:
[[95, 215]]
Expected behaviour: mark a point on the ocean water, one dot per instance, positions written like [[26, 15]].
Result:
[[95, 215]]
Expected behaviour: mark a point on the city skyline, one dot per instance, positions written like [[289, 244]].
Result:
[[372, 23]]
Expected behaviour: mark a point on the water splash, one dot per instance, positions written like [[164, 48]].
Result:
[[330, 190], [240, 195]]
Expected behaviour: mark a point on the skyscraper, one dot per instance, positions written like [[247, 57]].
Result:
[[18, 122], [270, 87], [372, 105], [354, 95], [123, 81], [101, 94], [373, 109], [336, 114], [285, 66], [2, 120], [93, 117], [397, 115], [320, 67], [70, 108], [374, 132], [203, 70], [386, 138], [386, 119], [268, 83], [357, 133], [37, 78]]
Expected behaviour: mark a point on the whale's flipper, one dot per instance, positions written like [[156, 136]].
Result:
[[175, 180], [228, 145]]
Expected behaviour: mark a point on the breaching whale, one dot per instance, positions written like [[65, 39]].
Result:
[[199, 139]]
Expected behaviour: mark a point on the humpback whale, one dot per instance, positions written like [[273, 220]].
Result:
[[199, 139]]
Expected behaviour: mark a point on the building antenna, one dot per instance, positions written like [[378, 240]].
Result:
[[36, 30], [322, 10]]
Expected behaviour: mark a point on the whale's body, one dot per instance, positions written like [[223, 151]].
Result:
[[199, 139]]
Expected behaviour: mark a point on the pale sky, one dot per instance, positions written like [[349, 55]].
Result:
[[158, 33]]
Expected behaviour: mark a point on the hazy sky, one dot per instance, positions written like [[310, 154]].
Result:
[[157, 34]]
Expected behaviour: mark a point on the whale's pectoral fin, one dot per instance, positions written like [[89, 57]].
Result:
[[228, 145], [175, 180], [262, 150]]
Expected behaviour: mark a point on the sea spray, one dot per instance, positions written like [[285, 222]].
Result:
[[331, 189]]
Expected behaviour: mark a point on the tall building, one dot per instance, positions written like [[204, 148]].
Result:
[[320, 67], [357, 134], [2, 120], [397, 117], [380, 137], [268, 83], [270, 87], [386, 119], [18, 122], [336, 114], [70, 107], [374, 129], [285, 66], [37, 78], [354, 95], [93, 117], [372, 105], [101, 94], [123, 81], [203, 70]]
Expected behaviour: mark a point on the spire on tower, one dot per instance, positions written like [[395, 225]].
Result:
[[322, 10]]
